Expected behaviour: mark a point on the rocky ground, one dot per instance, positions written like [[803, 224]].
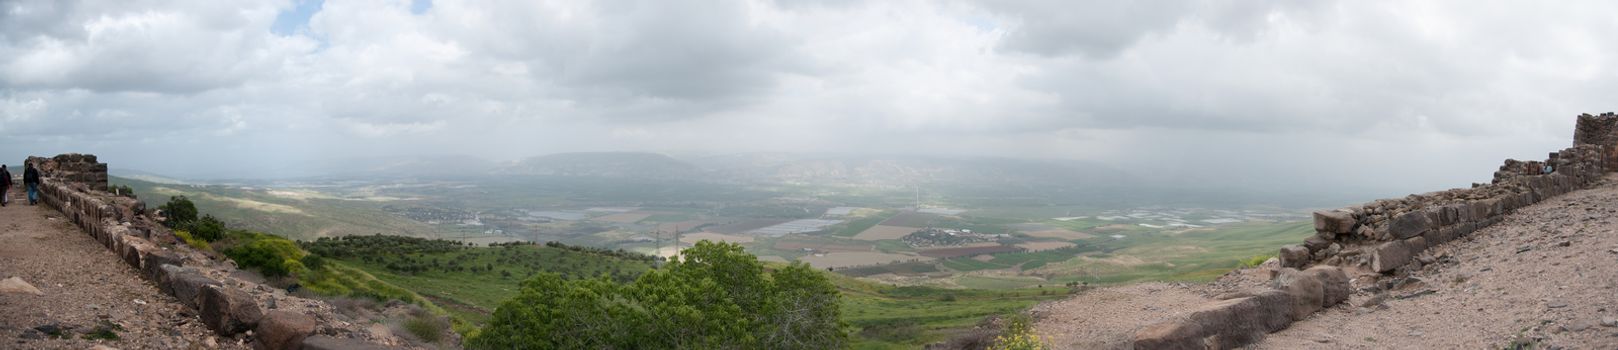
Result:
[[1545, 277], [87, 294]]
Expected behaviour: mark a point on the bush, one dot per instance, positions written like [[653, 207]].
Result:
[[272, 256], [208, 228], [178, 210], [185, 236], [1019, 335], [1254, 261], [716, 297], [426, 327]]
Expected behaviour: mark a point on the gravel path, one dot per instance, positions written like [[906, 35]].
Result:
[[1547, 275], [84, 287]]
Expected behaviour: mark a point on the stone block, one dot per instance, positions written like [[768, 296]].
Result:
[[1315, 243], [152, 264], [1410, 224], [283, 330], [228, 311], [1390, 255], [186, 284], [1224, 324], [1417, 244], [1335, 285], [1334, 221], [1305, 292], [1294, 256]]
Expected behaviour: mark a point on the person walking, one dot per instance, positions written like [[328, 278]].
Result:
[[5, 184], [30, 178]]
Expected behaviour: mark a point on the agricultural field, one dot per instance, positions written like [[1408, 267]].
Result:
[[885, 232], [854, 259]]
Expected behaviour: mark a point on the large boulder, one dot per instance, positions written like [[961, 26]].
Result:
[[284, 330], [1334, 283], [1391, 255], [1410, 224], [185, 284], [228, 311], [152, 264], [1221, 325], [1334, 221], [1306, 292], [1294, 256]]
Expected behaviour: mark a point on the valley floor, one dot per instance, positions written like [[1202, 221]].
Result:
[[1546, 277]]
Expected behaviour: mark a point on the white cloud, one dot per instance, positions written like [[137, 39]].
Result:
[[1211, 86]]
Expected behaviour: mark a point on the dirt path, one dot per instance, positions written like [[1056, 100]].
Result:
[[84, 287], [1547, 275]]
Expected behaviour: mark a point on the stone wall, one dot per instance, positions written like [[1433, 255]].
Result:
[[1384, 236], [1601, 130], [75, 185], [73, 167], [1388, 234]]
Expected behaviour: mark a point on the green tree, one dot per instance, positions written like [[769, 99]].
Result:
[[717, 297], [177, 211]]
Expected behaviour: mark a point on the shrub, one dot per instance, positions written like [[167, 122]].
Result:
[[207, 228], [178, 210], [1254, 261], [426, 327], [1019, 335], [185, 236], [272, 256], [718, 296]]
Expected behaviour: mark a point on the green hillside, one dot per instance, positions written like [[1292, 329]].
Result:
[[293, 214], [471, 281]]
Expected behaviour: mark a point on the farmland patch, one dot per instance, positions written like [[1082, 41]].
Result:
[[854, 259], [884, 232]]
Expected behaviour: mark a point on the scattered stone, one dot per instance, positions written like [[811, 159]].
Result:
[[1556, 304], [1576, 326], [1417, 294], [1523, 249], [284, 330], [1375, 300], [31, 334], [1609, 321], [1564, 243], [17, 285], [1294, 256]]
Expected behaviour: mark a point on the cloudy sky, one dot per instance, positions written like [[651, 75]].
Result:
[[1308, 94]]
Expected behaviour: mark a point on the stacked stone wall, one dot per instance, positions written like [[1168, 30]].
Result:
[[1601, 130], [1388, 234], [75, 185], [1385, 236]]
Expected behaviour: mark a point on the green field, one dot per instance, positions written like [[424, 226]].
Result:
[[908, 317], [1193, 256]]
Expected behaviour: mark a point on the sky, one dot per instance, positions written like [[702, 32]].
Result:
[[1296, 95]]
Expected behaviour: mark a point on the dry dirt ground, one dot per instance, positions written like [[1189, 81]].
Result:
[[84, 287], [1547, 276]]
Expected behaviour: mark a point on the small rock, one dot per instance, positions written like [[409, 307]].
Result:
[[102, 347], [1417, 333], [1564, 243], [31, 334], [1609, 321], [1375, 300], [95, 307], [17, 285], [1524, 249], [140, 302], [1556, 304], [1576, 326], [1417, 294]]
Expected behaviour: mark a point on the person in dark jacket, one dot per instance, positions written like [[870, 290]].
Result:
[[30, 178], [5, 184]]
